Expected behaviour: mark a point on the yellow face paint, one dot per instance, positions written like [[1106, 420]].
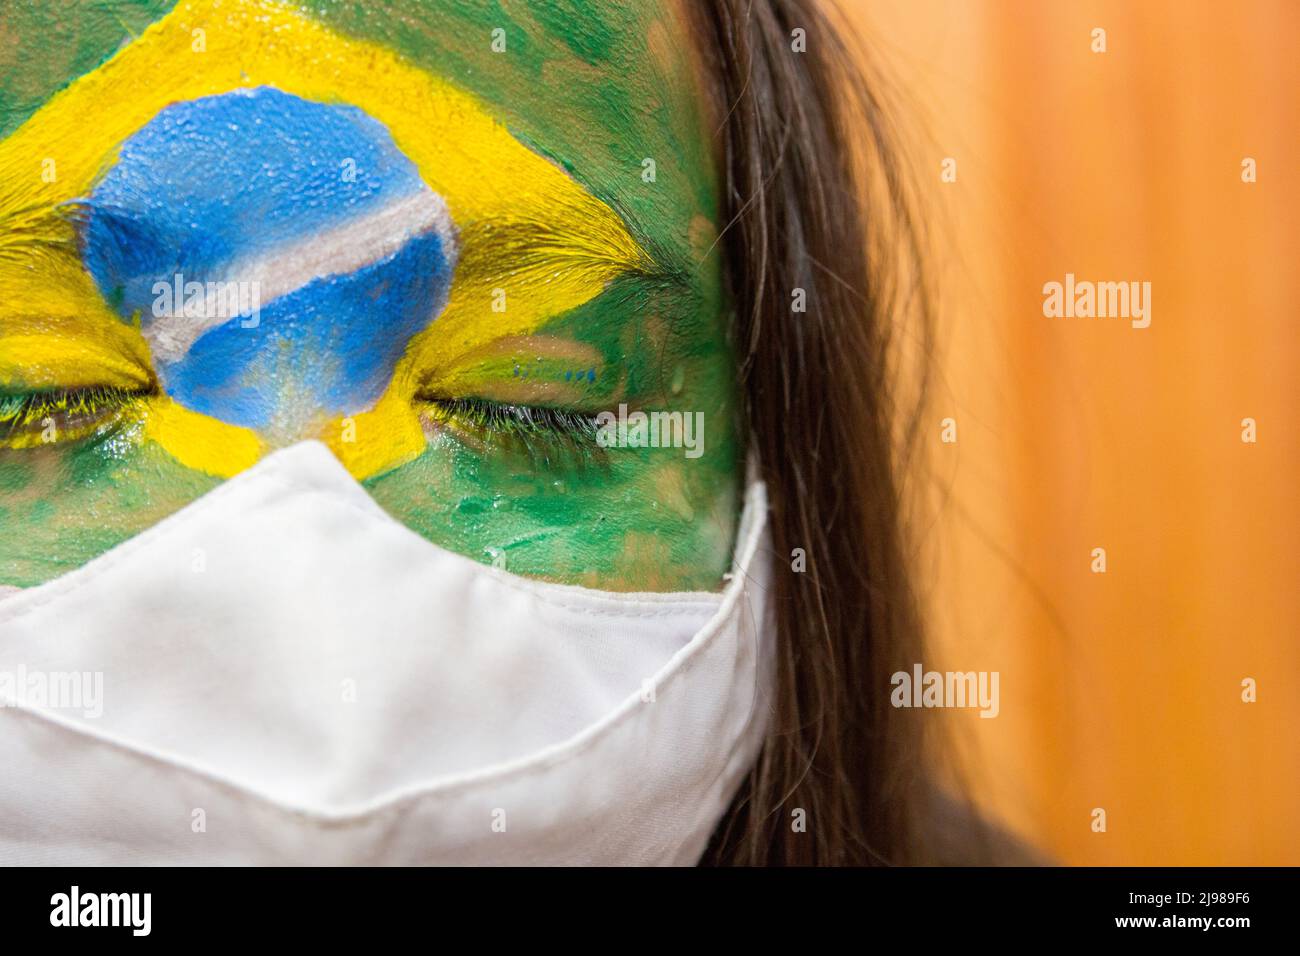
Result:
[[200, 442], [533, 243], [41, 354]]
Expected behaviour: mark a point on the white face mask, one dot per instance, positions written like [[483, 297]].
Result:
[[281, 673]]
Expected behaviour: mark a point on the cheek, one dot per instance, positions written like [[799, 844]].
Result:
[[642, 519], [61, 506]]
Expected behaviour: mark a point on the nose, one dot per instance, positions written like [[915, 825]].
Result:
[[279, 254]]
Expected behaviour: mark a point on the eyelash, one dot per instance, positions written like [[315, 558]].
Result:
[[538, 431], [78, 411]]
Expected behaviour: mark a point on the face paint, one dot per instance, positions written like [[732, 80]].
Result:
[[330, 274], [457, 261]]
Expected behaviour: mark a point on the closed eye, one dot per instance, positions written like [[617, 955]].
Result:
[[502, 415], [66, 414], [548, 435]]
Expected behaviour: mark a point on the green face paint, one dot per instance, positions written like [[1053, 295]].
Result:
[[513, 467]]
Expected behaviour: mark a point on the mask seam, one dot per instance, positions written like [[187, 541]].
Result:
[[387, 807]]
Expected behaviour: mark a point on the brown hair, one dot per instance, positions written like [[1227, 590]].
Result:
[[815, 199]]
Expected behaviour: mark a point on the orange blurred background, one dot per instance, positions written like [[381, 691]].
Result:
[[1119, 690]]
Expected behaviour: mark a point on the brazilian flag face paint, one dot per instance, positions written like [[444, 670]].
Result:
[[449, 245], [280, 253]]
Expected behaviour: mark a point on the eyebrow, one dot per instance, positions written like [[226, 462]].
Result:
[[55, 227], [35, 227], [534, 246], [525, 248]]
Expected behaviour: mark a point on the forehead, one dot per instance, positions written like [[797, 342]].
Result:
[[596, 87]]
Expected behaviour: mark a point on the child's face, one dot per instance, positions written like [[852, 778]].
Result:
[[441, 236]]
